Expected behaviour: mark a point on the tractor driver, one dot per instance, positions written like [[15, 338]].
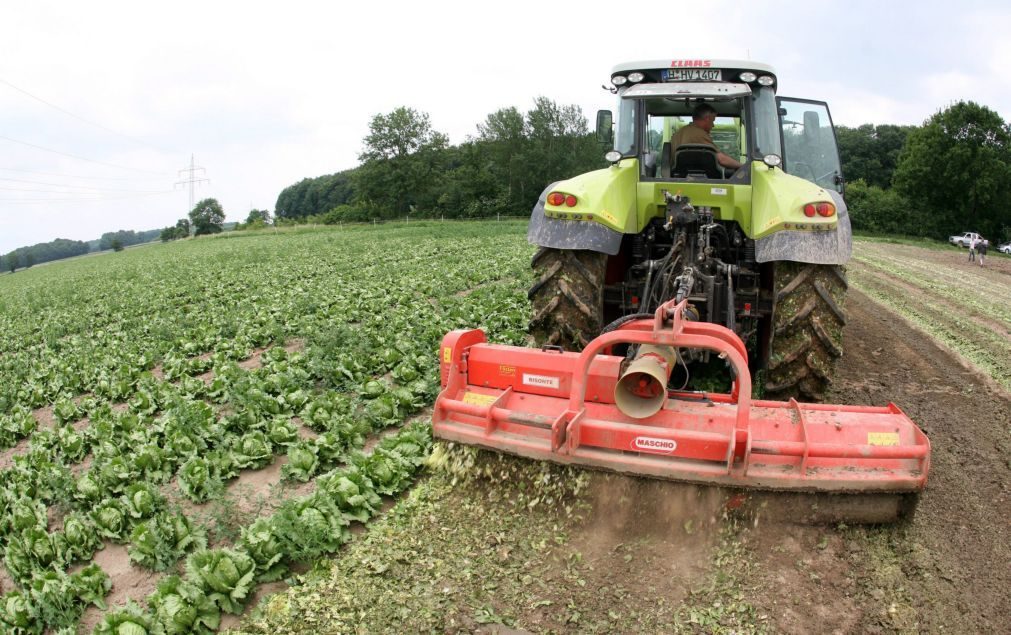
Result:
[[703, 120]]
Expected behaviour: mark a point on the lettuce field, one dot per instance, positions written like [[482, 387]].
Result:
[[181, 423], [187, 429]]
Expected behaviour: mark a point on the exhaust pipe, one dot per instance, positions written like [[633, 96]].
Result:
[[641, 390]]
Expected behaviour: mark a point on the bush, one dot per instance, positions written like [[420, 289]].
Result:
[[879, 211], [345, 214]]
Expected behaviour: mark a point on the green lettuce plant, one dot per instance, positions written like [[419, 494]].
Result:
[[226, 576]]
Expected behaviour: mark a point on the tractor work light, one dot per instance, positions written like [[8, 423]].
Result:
[[612, 157], [747, 77], [772, 160], [636, 77], [766, 80], [619, 80]]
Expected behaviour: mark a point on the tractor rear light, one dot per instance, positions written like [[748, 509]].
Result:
[[556, 199], [825, 209], [570, 200], [636, 77], [810, 210]]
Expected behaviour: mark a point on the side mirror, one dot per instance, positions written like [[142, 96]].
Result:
[[605, 121]]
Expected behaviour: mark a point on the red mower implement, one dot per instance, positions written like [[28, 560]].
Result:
[[618, 413]]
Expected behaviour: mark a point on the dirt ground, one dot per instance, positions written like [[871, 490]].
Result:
[[946, 569], [644, 556]]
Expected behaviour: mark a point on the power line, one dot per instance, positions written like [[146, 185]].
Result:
[[80, 187], [74, 156], [25, 189], [77, 176], [28, 201], [78, 117]]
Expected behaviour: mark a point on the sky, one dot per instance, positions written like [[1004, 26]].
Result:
[[103, 104]]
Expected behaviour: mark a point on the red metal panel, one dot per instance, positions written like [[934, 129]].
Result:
[[559, 407]]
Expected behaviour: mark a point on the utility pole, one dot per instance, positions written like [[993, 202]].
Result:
[[192, 180]]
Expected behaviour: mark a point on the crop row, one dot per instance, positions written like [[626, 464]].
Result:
[[155, 407], [220, 580]]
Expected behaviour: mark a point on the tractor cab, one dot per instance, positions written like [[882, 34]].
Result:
[[657, 99]]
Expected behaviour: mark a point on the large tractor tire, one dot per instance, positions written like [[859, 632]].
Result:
[[808, 320], [567, 297]]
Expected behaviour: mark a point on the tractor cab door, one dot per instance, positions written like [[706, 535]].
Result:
[[810, 150]]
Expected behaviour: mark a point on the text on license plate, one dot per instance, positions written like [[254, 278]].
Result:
[[692, 75]]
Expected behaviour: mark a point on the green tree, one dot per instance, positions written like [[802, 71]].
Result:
[[957, 170], [11, 261], [207, 217], [882, 211], [258, 215], [870, 153], [503, 137], [116, 245], [183, 228], [310, 197], [403, 163]]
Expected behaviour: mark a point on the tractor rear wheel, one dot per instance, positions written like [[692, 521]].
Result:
[[808, 320], [567, 297]]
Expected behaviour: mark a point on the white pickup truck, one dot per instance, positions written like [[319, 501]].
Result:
[[963, 240]]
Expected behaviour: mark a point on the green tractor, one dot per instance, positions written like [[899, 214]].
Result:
[[758, 248]]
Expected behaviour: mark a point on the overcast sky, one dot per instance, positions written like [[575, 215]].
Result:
[[264, 94]]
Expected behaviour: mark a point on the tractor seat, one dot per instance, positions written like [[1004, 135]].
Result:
[[698, 160]]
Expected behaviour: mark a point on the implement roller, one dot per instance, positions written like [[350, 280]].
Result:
[[617, 413]]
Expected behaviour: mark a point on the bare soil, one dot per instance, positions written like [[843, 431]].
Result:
[[937, 571]]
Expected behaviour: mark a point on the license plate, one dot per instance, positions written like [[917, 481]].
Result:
[[692, 75]]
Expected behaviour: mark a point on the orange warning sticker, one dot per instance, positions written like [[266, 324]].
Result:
[[503, 369], [477, 399], [882, 438], [447, 354]]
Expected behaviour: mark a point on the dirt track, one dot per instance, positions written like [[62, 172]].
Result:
[[948, 567]]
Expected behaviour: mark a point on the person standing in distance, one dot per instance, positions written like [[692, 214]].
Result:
[[972, 249]]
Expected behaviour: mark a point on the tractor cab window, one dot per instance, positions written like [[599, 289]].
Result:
[[624, 138], [809, 145], [665, 116]]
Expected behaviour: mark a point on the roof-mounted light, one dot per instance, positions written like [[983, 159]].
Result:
[[636, 77], [766, 80], [747, 77], [619, 80]]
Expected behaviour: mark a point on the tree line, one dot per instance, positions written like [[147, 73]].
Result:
[[409, 168], [948, 176]]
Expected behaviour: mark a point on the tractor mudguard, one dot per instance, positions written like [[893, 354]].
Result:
[[566, 234], [832, 247]]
